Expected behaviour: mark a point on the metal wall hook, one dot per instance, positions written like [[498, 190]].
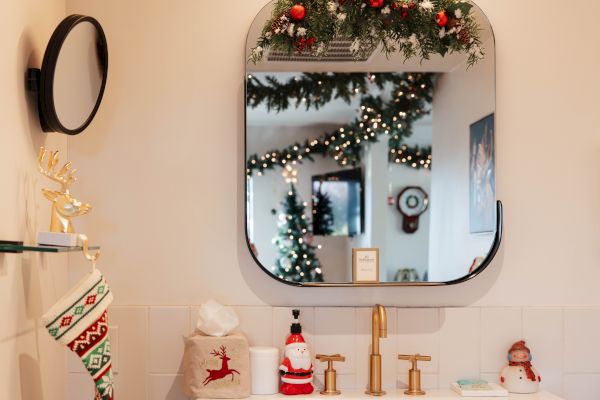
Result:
[[85, 244]]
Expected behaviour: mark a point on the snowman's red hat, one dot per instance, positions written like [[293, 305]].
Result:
[[520, 345]]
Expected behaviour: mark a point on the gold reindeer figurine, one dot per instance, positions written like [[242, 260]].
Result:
[[64, 206]]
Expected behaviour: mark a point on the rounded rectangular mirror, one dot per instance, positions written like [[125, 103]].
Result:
[[370, 124]]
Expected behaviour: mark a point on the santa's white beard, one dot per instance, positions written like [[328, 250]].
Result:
[[302, 362]]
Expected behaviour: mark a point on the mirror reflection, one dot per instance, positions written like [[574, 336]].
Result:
[[78, 76], [388, 153]]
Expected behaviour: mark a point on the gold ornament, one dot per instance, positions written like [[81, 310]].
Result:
[[64, 206]]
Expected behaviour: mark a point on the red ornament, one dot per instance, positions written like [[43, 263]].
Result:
[[404, 13], [298, 12], [309, 238], [376, 3], [441, 18]]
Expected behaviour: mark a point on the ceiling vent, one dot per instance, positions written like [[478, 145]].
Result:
[[339, 50]]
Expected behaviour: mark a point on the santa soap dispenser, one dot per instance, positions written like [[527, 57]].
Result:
[[296, 369]]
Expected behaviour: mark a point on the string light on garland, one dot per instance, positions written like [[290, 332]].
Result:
[[411, 95], [416, 28], [289, 174]]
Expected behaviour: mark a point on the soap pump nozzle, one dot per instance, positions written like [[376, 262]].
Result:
[[296, 327]]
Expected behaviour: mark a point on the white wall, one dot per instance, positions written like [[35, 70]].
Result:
[[462, 97], [163, 164], [31, 363], [164, 160], [397, 248]]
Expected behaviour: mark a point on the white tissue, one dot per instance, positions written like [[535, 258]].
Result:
[[215, 319]]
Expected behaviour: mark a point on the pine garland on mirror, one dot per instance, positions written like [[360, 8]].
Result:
[[410, 95], [416, 28]]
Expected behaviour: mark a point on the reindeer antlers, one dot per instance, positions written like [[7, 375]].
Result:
[[221, 353], [64, 176]]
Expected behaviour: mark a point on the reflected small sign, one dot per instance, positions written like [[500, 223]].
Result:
[[365, 265]]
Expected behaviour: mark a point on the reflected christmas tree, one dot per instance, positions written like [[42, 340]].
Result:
[[297, 260]]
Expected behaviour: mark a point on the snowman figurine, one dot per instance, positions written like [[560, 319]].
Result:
[[519, 376]]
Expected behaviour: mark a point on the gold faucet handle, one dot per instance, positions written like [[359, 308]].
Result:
[[330, 375], [413, 358], [414, 375], [330, 359]]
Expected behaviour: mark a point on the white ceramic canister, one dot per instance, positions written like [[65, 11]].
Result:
[[264, 369]]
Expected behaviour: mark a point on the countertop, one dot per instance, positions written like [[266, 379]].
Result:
[[437, 394]]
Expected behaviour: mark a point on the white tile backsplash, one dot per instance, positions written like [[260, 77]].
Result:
[[132, 352], [582, 386], [165, 387], [419, 332], [460, 331], [257, 324], [168, 327], [147, 344], [80, 386], [543, 330], [500, 328], [335, 332], [582, 347]]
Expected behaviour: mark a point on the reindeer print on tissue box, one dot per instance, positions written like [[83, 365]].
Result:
[[216, 367]]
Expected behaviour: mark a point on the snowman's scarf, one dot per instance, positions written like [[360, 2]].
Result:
[[527, 366]]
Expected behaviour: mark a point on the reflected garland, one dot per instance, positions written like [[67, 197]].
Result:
[[415, 28], [411, 93]]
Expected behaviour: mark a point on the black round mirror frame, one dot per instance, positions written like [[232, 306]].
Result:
[[42, 81]]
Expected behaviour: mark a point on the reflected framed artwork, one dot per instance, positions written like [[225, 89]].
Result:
[[482, 176]]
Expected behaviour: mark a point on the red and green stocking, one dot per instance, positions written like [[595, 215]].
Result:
[[79, 322]]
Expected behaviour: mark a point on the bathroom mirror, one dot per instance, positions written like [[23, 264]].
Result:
[[386, 144], [71, 82]]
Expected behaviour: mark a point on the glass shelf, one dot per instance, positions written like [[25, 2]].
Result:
[[20, 248]]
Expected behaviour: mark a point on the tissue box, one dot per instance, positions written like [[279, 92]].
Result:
[[216, 367]]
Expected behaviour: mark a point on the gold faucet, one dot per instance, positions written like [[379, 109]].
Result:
[[379, 327]]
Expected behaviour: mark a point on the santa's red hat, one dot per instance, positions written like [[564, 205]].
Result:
[[294, 338]]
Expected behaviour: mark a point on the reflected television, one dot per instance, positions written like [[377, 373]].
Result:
[[338, 203]]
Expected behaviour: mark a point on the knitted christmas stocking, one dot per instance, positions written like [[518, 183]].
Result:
[[78, 321]]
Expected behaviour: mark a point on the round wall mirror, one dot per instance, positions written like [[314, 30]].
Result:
[[349, 105], [72, 79]]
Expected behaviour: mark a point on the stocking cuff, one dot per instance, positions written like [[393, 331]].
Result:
[[79, 308]]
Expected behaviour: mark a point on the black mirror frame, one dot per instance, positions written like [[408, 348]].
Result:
[[484, 263], [41, 81]]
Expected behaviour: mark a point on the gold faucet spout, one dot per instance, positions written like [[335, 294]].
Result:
[[379, 330], [379, 327]]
